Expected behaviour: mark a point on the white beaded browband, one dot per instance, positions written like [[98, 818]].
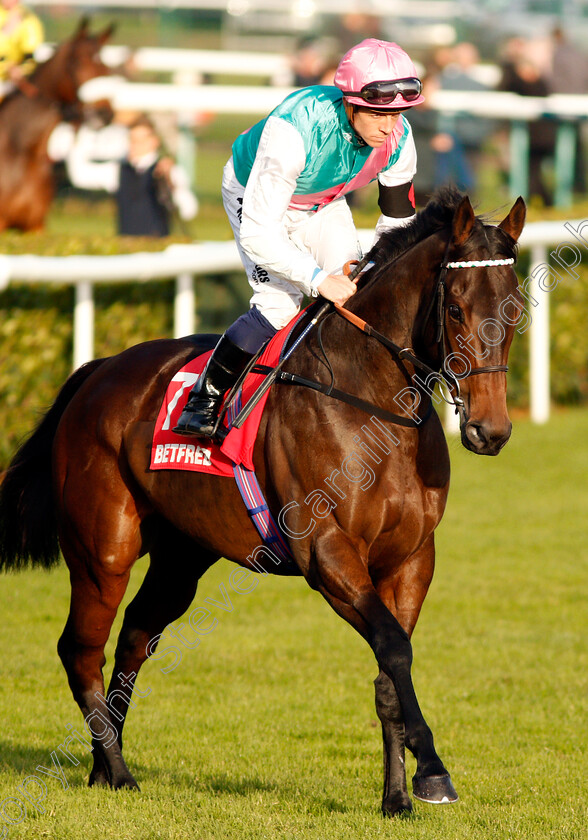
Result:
[[478, 263]]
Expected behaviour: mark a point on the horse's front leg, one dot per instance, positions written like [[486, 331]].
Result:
[[403, 592], [395, 799], [341, 575]]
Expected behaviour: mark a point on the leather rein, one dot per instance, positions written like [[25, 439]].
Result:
[[407, 354]]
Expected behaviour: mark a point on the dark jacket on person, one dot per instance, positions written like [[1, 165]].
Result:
[[542, 131], [140, 211]]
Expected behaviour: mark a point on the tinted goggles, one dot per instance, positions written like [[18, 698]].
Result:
[[383, 93]]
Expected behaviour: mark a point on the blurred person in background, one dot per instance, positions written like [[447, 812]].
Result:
[[21, 32], [101, 137], [149, 188], [308, 62], [521, 73], [352, 27], [284, 192], [568, 73], [440, 153], [569, 65], [470, 133]]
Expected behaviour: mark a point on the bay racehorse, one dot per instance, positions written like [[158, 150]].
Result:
[[29, 114], [360, 510]]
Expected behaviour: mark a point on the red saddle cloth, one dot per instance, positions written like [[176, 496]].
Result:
[[170, 451]]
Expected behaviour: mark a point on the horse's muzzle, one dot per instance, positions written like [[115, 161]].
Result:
[[485, 438]]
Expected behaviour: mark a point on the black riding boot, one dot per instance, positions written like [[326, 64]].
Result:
[[222, 371]]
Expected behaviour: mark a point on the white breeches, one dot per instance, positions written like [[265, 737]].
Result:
[[329, 235]]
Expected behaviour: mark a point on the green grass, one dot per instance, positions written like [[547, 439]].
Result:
[[268, 729]]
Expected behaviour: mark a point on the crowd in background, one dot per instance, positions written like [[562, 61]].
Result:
[[151, 188]]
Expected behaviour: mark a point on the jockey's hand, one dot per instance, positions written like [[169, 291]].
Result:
[[337, 288]]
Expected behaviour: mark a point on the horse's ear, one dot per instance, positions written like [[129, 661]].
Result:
[[83, 27], [463, 221], [513, 224], [104, 36]]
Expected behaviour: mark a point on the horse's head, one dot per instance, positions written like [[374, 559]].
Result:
[[445, 287], [479, 308], [75, 61]]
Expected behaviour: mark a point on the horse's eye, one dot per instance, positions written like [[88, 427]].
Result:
[[455, 312]]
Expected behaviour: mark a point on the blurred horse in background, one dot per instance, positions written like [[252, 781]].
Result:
[[30, 113]]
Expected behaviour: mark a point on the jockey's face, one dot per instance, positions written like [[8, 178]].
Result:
[[374, 126]]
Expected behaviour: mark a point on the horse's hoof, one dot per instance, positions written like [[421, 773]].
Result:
[[438, 790], [99, 779], [399, 807], [126, 784]]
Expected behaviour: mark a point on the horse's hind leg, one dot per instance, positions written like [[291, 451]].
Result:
[[97, 590], [167, 591]]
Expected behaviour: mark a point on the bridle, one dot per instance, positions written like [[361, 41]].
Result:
[[437, 304], [441, 338], [27, 88]]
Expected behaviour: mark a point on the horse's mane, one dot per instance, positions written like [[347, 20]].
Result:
[[55, 64], [436, 215]]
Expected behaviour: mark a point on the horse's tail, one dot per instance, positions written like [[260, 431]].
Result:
[[28, 525]]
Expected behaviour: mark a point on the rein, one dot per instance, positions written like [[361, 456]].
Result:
[[408, 354]]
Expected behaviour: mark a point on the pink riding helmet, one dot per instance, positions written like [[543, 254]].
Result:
[[375, 61]]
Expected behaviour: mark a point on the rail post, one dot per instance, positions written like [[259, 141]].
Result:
[[565, 161], [83, 331], [519, 159], [539, 342], [184, 305]]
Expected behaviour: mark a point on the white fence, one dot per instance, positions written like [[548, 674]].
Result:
[[184, 262], [179, 261]]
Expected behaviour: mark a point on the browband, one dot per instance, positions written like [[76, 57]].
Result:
[[477, 263]]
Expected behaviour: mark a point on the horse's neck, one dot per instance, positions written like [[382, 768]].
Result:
[[395, 302], [396, 305], [30, 118], [49, 77]]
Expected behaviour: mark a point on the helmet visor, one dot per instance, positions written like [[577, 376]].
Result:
[[383, 93]]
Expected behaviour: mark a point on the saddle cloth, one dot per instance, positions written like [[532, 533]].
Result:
[[170, 451]]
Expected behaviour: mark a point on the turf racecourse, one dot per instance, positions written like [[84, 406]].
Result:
[[268, 728]]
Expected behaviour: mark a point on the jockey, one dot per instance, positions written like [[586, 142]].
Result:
[[284, 192], [21, 32]]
